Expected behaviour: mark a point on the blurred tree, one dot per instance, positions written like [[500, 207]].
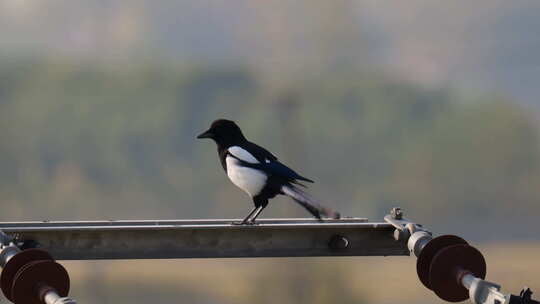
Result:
[[78, 137]]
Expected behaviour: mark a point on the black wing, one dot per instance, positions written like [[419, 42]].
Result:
[[260, 153]]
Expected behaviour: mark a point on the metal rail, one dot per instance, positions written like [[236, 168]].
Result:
[[90, 240]]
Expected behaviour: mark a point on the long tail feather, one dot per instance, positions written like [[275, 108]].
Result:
[[309, 203]]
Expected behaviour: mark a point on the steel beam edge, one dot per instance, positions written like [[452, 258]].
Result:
[[167, 239]]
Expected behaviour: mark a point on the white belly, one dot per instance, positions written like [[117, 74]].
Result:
[[250, 180]]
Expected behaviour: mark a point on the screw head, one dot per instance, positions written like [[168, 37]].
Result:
[[338, 242], [396, 213]]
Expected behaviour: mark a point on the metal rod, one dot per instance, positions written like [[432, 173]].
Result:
[[52, 297], [481, 291], [91, 240], [467, 280]]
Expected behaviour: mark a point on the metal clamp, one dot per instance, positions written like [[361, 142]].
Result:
[[415, 234], [485, 292]]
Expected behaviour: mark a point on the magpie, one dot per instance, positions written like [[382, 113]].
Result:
[[258, 172]]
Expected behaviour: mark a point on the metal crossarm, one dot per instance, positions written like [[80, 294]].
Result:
[[90, 240], [447, 264]]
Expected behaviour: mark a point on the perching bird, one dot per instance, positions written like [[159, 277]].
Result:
[[258, 172]]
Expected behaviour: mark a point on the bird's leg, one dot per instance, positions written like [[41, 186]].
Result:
[[245, 221], [261, 202], [257, 212], [250, 219]]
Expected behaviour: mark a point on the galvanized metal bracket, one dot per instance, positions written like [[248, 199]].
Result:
[[414, 234], [165, 239], [404, 227]]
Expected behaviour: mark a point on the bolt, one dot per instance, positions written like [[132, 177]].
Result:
[[396, 213], [401, 235], [338, 242]]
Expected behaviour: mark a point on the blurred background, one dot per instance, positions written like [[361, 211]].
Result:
[[431, 106]]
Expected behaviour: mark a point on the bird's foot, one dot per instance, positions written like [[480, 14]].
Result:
[[243, 223]]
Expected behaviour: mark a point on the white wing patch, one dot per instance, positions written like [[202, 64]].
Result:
[[242, 154], [250, 180]]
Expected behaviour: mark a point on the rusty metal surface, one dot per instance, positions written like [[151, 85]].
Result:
[[91, 240]]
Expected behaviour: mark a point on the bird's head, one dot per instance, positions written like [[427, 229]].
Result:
[[224, 132]]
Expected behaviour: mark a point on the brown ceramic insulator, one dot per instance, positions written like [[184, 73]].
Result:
[[16, 263], [430, 250], [447, 268], [39, 274]]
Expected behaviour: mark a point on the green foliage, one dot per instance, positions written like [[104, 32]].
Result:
[[91, 141]]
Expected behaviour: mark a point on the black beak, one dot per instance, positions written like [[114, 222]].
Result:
[[206, 134]]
